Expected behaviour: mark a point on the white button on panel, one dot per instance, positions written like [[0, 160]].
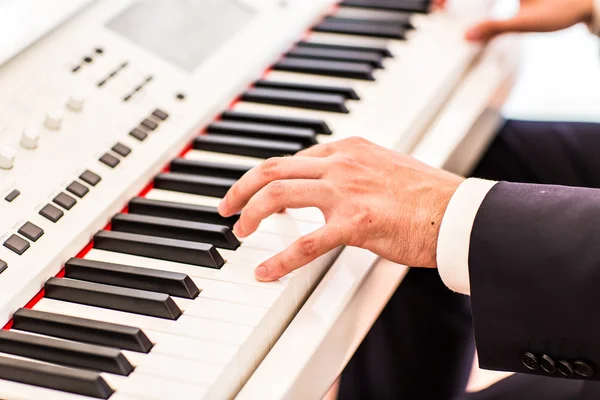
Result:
[[53, 120], [75, 102], [7, 157], [30, 139]]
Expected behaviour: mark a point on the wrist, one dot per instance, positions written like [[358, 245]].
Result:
[[432, 213]]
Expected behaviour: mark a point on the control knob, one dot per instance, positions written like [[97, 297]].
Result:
[[53, 120], [7, 157], [30, 139]]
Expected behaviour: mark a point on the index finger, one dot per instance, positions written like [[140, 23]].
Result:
[[273, 169]]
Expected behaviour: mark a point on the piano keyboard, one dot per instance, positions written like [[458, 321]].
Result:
[[163, 302]]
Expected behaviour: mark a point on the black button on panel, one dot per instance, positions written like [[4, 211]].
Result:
[[31, 231], [530, 361], [583, 369], [160, 114], [78, 189], [16, 244], [12, 195], [90, 177], [565, 368], [109, 160], [138, 134], [52, 213], [65, 201], [3, 266], [121, 149], [149, 124], [548, 364]]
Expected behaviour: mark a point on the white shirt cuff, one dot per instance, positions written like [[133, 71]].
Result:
[[455, 233], [594, 24]]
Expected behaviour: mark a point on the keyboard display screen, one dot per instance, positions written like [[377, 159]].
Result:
[[182, 32]]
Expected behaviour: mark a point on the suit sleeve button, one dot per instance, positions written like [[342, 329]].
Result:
[[564, 368], [583, 369], [530, 361], [548, 364]]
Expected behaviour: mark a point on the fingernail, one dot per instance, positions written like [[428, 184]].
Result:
[[237, 229], [260, 272], [221, 206]]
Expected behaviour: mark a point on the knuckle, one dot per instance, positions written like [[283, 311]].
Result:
[[308, 246], [357, 140], [346, 161], [276, 190], [270, 169]]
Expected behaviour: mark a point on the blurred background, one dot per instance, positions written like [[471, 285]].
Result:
[[559, 77]]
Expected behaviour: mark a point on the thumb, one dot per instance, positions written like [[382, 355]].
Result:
[[489, 29]]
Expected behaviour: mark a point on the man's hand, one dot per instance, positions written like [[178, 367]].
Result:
[[371, 197], [534, 16]]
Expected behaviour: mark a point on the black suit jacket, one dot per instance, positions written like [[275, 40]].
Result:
[[534, 266]]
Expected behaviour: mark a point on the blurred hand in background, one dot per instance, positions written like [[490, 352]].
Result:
[[533, 16]]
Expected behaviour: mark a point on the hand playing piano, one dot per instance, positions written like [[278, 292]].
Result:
[[533, 16], [371, 197]]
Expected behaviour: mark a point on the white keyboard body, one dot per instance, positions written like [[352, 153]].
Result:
[[430, 99]]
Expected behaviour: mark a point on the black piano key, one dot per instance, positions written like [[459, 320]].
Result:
[[385, 52], [418, 6], [259, 148], [396, 19], [66, 353], [218, 235], [319, 126], [373, 58], [385, 31], [347, 92], [181, 251], [135, 301], [297, 99], [82, 330], [307, 137], [353, 70], [71, 380], [197, 167], [172, 283], [187, 212], [194, 184]]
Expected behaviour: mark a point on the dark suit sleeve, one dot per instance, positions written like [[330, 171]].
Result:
[[534, 267]]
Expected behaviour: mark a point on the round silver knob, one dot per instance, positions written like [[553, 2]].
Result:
[[53, 120], [30, 139], [7, 157]]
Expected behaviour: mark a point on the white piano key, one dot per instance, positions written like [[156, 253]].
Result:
[[217, 331], [145, 262], [336, 122], [296, 77], [232, 159], [267, 241], [103, 314], [285, 224], [350, 40], [20, 391], [240, 314], [309, 214], [349, 12], [246, 256], [152, 387], [191, 348], [240, 294], [178, 369], [136, 385], [179, 197], [244, 275]]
